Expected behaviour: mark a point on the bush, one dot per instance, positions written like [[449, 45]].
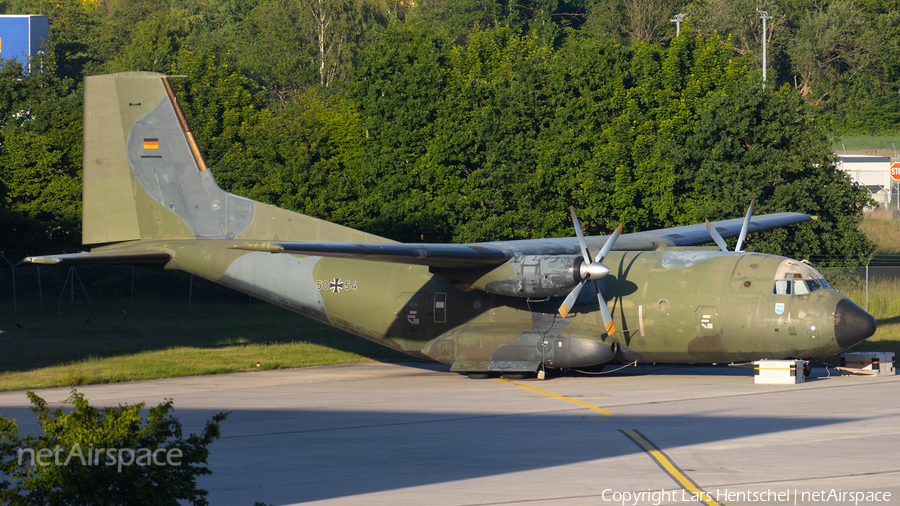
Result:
[[107, 456]]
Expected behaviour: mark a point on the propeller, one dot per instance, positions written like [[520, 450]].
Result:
[[591, 270], [745, 227], [721, 242]]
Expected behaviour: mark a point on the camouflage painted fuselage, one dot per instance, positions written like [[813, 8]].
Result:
[[669, 306]]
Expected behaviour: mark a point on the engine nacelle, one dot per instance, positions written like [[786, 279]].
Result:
[[525, 276]]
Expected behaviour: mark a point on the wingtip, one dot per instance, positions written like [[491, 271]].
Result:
[[41, 260]]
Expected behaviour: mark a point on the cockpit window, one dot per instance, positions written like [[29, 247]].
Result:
[[782, 287], [794, 284]]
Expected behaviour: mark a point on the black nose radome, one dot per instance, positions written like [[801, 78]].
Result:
[[852, 324]]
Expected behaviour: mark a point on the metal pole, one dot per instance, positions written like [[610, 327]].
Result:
[[678, 19], [12, 269], [764, 16], [63, 291], [40, 290], [83, 289], [867, 285], [72, 292]]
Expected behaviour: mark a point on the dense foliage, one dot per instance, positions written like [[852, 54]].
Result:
[[473, 120], [104, 456]]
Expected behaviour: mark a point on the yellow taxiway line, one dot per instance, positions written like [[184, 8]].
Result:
[[658, 456], [551, 394], [669, 467]]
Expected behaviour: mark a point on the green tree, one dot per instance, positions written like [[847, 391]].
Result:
[[152, 44], [65, 466], [276, 53], [829, 45], [219, 103], [772, 147], [667, 89], [544, 18], [740, 23], [631, 20], [335, 28], [40, 157], [300, 159]]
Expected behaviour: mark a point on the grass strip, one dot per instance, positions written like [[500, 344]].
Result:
[[163, 340]]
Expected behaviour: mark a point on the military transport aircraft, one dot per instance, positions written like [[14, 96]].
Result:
[[487, 308]]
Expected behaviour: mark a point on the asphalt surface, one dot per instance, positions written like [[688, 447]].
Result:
[[417, 434]]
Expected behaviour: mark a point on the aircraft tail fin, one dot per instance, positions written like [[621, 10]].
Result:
[[145, 178]]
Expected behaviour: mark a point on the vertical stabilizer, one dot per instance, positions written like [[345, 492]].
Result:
[[145, 178], [108, 212]]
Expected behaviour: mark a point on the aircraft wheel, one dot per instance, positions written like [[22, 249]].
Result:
[[514, 375], [478, 375], [807, 370]]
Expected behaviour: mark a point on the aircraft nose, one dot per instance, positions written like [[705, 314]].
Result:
[[852, 324]]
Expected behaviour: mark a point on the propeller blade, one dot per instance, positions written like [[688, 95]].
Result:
[[604, 310], [716, 236], [609, 244], [569, 303], [744, 228], [581, 242]]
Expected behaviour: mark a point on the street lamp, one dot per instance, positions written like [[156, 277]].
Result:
[[677, 20], [763, 15]]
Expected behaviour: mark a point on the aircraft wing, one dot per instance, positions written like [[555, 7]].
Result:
[[436, 255], [495, 253], [693, 235]]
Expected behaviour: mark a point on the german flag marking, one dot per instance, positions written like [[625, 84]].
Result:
[[151, 143]]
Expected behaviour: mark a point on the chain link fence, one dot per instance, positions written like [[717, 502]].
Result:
[[31, 289], [874, 286]]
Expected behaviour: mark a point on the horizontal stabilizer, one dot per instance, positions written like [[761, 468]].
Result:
[[104, 257], [435, 255]]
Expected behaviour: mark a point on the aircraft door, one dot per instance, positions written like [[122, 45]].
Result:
[[415, 314], [779, 312], [709, 343], [707, 320], [440, 307]]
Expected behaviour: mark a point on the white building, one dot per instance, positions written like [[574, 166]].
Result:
[[873, 172]]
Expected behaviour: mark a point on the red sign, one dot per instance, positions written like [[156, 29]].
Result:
[[895, 171]]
